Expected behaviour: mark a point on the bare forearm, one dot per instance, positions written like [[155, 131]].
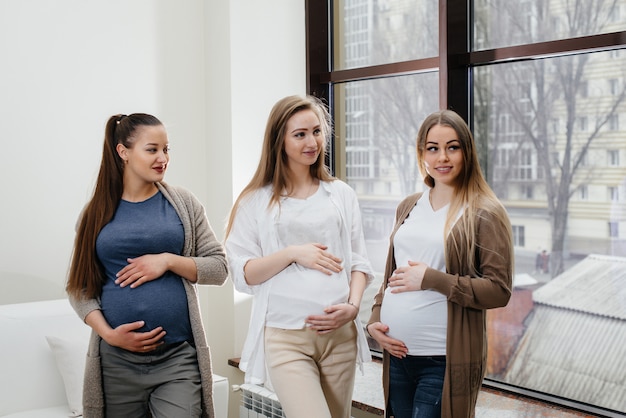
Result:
[[358, 283], [259, 270], [312, 255], [95, 319]]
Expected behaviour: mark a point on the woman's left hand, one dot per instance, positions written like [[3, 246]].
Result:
[[142, 269], [335, 316], [407, 278]]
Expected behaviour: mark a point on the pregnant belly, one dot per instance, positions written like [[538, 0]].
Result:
[[419, 319], [158, 304]]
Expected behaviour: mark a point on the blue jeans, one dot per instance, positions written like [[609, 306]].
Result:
[[416, 386]]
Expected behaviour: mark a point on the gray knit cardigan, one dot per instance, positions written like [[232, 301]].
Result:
[[208, 254]]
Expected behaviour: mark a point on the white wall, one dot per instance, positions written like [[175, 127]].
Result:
[[66, 68], [209, 70], [255, 56]]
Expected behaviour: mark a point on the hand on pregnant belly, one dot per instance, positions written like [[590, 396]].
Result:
[[395, 347], [315, 256], [334, 317], [124, 336], [142, 269], [407, 278]]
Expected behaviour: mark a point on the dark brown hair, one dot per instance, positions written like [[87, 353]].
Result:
[[85, 275]]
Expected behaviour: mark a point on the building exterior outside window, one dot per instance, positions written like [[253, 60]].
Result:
[[549, 138]]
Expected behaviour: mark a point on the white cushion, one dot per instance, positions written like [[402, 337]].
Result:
[[69, 354], [52, 412], [29, 376]]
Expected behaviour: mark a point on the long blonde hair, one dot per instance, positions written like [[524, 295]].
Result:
[[272, 168], [472, 192]]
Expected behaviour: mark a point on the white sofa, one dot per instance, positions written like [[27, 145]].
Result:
[[42, 355]]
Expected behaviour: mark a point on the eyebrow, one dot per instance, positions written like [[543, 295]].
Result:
[[306, 129], [437, 143]]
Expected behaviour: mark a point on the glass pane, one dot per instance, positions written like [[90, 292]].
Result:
[[555, 156], [502, 23], [372, 32], [376, 129]]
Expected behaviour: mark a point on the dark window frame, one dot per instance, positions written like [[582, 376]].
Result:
[[455, 63]]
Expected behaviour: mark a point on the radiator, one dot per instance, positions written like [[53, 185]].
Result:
[[258, 402]]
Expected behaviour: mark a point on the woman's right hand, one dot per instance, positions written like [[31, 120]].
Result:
[[379, 331], [125, 336], [315, 256]]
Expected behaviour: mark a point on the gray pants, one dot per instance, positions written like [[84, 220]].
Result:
[[165, 382]]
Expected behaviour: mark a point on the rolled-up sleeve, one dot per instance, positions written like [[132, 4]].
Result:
[[351, 213], [243, 242], [210, 258], [83, 306], [493, 287]]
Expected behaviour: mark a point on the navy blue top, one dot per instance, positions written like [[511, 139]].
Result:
[[148, 227]]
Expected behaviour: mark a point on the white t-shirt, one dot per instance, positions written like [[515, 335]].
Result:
[[419, 318], [298, 291]]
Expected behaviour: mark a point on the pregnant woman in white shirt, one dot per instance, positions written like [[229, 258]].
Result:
[[294, 241], [450, 260]]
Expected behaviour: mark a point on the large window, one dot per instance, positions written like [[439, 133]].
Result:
[[542, 83]]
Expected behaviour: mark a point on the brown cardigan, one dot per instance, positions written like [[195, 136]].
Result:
[[468, 297]]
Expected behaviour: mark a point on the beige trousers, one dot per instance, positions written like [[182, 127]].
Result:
[[312, 375]]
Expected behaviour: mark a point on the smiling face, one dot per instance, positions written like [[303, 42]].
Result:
[[304, 140], [443, 156], [147, 159]]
